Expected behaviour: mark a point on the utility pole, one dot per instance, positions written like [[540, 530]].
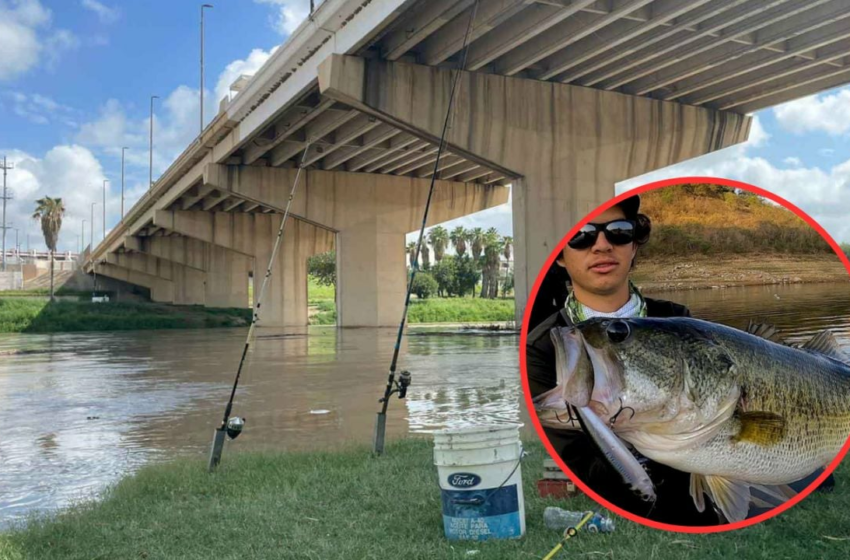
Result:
[[91, 226], [6, 167], [104, 208], [122, 182], [202, 65], [150, 164]]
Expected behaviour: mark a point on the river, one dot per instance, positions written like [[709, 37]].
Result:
[[80, 411]]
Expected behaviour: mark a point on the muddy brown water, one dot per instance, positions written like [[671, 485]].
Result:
[[80, 411]]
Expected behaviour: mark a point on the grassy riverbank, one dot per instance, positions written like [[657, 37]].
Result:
[[346, 504], [32, 315]]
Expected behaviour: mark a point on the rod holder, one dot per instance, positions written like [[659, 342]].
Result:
[[217, 448]]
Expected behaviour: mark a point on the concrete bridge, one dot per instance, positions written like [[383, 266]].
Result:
[[561, 99]]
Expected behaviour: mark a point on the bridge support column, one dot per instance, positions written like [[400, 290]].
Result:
[[226, 278], [569, 144], [371, 215]]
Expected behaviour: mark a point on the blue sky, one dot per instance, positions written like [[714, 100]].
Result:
[[76, 76]]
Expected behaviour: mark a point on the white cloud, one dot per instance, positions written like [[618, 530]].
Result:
[[39, 109], [820, 193], [289, 14], [26, 38], [828, 113], [792, 161], [104, 13], [175, 121], [70, 172], [248, 66]]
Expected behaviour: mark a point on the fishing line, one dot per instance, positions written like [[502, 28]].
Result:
[[400, 387], [233, 427]]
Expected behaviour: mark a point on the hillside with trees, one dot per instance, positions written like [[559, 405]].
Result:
[[714, 219]]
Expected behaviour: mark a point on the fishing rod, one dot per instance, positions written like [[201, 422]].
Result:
[[400, 386], [232, 427]]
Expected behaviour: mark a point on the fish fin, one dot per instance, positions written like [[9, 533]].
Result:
[[731, 497], [573, 367], [824, 343], [763, 428], [772, 496], [765, 331], [698, 491]]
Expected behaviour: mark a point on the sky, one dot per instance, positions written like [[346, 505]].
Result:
[[76, 78]]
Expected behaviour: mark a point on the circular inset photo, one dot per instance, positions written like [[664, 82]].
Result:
[[683, 355]]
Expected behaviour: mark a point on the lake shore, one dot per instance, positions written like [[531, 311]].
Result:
[[349, 504], [713, 272]]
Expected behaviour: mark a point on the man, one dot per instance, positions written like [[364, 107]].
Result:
[[597, 262], [598, 270]]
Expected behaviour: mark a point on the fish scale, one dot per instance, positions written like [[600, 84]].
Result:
[[725, 405]]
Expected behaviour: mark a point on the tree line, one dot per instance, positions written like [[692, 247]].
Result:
[[478, 256]]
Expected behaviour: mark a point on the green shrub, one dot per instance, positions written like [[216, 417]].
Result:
[[424, 285]]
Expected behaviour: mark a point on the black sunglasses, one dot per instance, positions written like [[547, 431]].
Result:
[[617, 232]]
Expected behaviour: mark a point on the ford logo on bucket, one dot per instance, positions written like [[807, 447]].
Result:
[[464, 480]]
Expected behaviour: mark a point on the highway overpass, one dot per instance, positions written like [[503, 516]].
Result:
[[560, 99]]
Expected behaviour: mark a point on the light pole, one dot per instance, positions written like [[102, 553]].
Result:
[[122, 181], [82, 238], [202, 64], [104, 208], [150, 174], [91, 226]]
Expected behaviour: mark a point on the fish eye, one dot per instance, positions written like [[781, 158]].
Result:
[[618, 331]]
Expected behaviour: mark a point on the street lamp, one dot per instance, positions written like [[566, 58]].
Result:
[[104, 207], [122, 181], [150, 174], [202, 64], [91, 226]]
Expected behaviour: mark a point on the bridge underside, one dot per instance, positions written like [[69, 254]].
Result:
[[561, 99]]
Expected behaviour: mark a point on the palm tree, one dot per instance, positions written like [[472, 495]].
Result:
[[476, 237], [492, 250], [508, 243], [50, 212], [439, 238], [425, 256], [411, 252], [458, 239]]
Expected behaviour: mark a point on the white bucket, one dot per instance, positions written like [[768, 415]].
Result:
[[481, 482]]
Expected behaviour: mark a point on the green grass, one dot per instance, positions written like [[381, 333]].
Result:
[[40, 316], [317, 292], [436, 310], [461, 310], [45, 292], [349, 505]]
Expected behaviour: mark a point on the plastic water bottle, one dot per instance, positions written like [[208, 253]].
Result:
[[560, 519]]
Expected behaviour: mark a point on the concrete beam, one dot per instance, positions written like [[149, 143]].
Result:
[[542, 130], [162, 290], [696, 19]]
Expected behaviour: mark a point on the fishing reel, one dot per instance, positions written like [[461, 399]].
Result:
[[401, 384], [234, 427]]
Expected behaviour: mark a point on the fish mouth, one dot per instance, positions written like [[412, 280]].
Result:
[[587, 376]]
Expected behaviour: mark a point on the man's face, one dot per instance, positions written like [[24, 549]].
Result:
[[604, 268]]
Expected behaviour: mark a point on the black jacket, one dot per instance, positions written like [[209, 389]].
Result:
[[674, 503]]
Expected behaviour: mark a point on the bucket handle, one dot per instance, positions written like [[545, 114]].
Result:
[[482, 500]]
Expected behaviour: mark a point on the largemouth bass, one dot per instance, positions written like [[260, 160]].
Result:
[[735, 410]]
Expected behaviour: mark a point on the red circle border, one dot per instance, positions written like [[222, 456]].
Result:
[[524, 374]]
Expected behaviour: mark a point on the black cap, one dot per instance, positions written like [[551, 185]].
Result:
[[630, 206]]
